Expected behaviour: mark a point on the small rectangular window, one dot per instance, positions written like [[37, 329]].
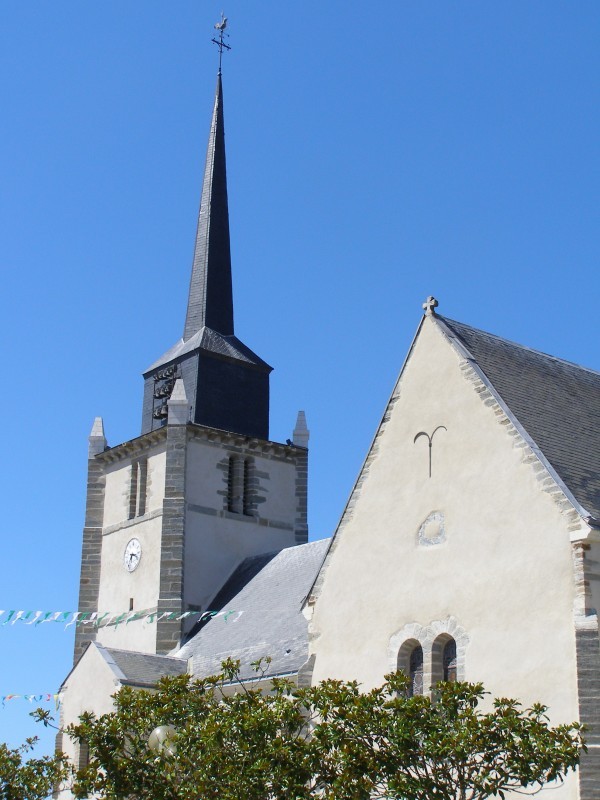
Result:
[[231, 485], [141, 489], [247, 490], [133, 486], [137, 488], [239, 485]]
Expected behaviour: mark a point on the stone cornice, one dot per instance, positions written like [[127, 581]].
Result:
[[133, 447], [143, 443], [246, 443]]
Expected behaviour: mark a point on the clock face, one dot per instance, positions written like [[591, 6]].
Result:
[[132, 555]]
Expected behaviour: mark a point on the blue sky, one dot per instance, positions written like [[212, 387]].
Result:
[[376, 154]]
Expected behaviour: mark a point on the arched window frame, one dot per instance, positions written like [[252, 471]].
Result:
[[437, 633], [438, 654], [415, 671], [411, 652], [449, 661]]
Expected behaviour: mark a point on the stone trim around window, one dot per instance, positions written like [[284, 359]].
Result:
[[433, 639]]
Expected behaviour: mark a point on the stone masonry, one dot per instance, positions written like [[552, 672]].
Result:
[[587, 646], [301, 523], [89, 583], [168, 631]]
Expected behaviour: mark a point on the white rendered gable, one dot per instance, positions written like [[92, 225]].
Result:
[[480, 543]]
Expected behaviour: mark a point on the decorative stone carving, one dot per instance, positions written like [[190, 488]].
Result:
[[432, 530]]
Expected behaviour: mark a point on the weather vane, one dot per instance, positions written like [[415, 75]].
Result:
[[220, 26]]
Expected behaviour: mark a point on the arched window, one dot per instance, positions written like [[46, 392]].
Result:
[[429, 654], [415, 671], [443, 659], [410, 662], [449, 660]]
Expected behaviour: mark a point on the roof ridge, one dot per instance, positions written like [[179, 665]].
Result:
[[519, 345], [140, 653], [279, 550]]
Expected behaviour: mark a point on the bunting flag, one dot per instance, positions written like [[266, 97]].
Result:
[[33, 698], [101, 619]]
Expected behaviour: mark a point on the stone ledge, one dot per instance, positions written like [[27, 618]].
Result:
[[129, 523], [246, 518]]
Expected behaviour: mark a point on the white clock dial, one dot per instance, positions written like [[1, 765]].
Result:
[[132, 554]]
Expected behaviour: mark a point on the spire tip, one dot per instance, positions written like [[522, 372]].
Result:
[[220, 26]]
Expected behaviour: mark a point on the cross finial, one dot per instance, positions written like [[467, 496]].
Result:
[[430, 305], [220, 26]]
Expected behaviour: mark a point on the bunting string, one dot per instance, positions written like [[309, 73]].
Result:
[[33, 698], [101, 619]]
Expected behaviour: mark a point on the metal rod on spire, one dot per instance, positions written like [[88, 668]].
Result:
[[220, 26]]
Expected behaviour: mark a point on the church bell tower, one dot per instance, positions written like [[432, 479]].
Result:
[[171, 513]]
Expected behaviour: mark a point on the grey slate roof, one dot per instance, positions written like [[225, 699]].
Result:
[[265, 595], [141, 669], [213, 342], [555, 401]]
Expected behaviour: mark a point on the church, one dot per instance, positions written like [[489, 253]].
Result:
[[469, 547]]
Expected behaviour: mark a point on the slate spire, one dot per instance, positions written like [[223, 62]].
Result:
[[225, 384], [210, 302]]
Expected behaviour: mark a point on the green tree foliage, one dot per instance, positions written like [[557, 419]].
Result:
[[32, 779], [331, 741], [388, 745], [233, 742]]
